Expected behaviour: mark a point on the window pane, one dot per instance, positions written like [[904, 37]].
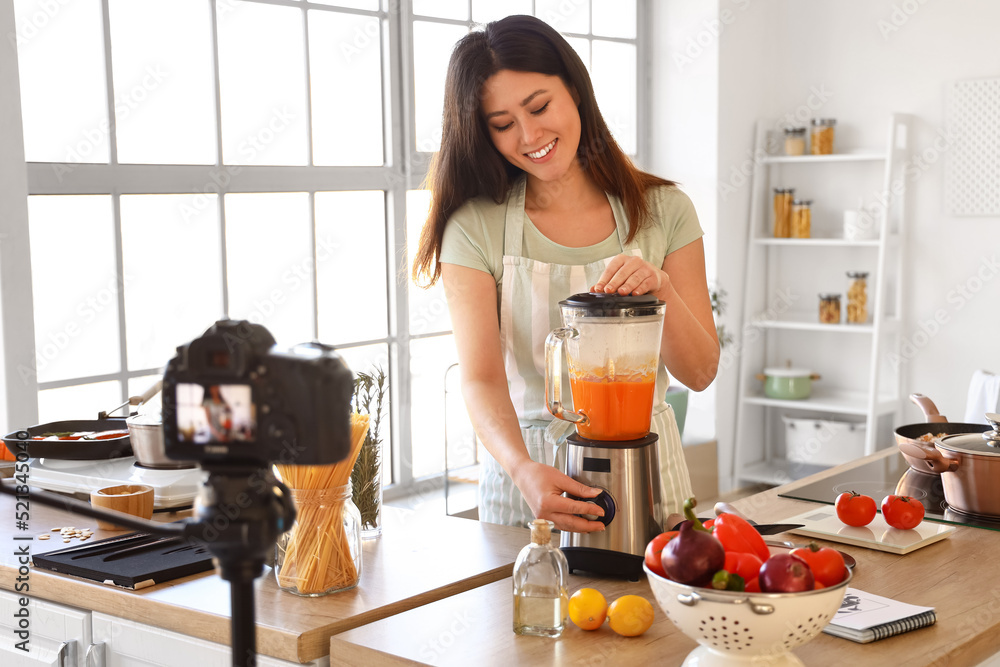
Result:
[[74, 281], [269, 258], [429, 361], [614, 18], [345, 54], [164, 81], [582, 47], [80, 402], [136, 386], [371, 5], [176, 236], [445, 9], [367, 359], [428, 307], [614, 73], [432, 47], [351, 245], [565, 16], [484, 11], [64, 95], [262, 64]]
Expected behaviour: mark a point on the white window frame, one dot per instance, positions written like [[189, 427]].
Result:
[[405, 169]]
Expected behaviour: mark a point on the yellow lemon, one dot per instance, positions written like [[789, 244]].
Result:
[[588, 608], [630, 615]]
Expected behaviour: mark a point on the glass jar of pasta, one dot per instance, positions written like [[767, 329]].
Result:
[[801, 219], [829, 308], [795, 140], [783, 198], [857, 297], [821, 136]]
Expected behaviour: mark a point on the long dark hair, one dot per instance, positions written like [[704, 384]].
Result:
[[468, 164]]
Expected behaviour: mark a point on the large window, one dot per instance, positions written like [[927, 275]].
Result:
[[189, 160]]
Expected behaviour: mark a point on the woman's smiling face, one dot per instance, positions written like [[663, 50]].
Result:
[[533, 121]]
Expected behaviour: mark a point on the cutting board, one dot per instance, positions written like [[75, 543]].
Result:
[[822, 523]]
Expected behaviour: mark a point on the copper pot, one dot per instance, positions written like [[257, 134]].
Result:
[[970, 467], [937, 424]]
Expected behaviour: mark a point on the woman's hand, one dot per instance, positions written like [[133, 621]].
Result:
[[628, 274], [542, 487]]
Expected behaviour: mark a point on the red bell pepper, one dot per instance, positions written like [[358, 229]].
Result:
[[745, 564], [738, 535]]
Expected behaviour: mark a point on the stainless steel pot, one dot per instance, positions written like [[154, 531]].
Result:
[[970, 467], [936, 424], [146, 434]]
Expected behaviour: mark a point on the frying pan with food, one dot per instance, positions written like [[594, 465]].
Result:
[[937, 425], [74, 450]]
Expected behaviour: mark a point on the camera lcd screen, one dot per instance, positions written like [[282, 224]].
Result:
[[215, 413]]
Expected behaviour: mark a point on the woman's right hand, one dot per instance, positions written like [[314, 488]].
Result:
[[542, 487]]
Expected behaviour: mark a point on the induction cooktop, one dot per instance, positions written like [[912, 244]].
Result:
[[890, 475]]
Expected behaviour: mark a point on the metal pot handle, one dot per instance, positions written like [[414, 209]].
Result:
[[930, 455], [927, 406]]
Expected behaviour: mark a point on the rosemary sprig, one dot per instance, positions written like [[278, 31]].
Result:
[[366, 478]]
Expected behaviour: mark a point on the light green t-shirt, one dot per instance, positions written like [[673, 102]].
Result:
[[474, 236]]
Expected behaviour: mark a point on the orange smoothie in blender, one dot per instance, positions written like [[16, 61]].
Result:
[[616, 410]]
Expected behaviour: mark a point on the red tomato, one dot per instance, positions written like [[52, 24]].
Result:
[[654, 550], [827, 564], [855, 509], [746, 565], [708, 524], [902, 512]]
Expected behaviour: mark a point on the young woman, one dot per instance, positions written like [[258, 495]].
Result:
[[533, 201]]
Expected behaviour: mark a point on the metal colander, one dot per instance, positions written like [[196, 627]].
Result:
[[735, 628]]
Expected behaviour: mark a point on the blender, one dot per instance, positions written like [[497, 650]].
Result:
[[612, 346]]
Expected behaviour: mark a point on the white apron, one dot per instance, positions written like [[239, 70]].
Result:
[[530, 292]]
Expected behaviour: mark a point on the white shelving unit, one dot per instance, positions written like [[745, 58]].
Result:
[[858, 363]]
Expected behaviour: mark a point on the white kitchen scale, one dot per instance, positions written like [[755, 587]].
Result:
[[172, 487]]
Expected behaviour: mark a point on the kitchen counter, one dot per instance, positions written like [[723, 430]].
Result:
[[959, 577], [413, 563]]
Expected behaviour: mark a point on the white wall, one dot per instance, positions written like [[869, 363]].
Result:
[[870, 57]]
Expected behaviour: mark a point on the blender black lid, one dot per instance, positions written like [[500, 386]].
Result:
[[599, 301]]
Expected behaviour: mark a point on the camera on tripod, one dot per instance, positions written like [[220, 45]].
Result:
[[233, 396]]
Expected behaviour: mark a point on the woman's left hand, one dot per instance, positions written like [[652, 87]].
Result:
[[628, 274]]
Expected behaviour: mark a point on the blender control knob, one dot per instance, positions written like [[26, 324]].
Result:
[[607, 503]]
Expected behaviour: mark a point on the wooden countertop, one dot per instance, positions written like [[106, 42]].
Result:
[[413, 563], [959, 577]]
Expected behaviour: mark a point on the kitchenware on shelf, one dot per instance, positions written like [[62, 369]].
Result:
[[612, 346], [739, 628], [823, 442], [970, 467], [133, 499], [789, 384], [936, 424]]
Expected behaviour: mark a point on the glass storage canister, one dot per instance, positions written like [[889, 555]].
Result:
[[801, 218], [795, 140], [321, 554], [821, 136], [783, 212], [857, 297], [829, 308], [541, 579]]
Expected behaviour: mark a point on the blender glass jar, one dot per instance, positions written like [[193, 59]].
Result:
[[612, 347]]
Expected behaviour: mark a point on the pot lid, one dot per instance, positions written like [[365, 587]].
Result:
[[986, 444], [782, 372]]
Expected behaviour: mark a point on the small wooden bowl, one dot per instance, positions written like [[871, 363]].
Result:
[[134, 499]]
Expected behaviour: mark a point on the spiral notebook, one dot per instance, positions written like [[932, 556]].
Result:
[[864, 617]]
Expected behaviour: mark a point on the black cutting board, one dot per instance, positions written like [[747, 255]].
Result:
[[134, 560]]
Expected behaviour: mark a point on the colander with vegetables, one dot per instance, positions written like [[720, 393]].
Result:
[[742, 601]]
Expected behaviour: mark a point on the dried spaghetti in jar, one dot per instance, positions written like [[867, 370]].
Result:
[[821, 136], [783, 212], [857, 297], [829, 308], [801, 218]]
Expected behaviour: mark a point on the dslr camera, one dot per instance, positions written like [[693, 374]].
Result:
[[233, 397]]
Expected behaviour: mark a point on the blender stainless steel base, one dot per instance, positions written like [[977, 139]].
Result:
[[628, 472]]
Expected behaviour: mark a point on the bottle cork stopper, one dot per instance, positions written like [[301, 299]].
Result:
[[541, 531]]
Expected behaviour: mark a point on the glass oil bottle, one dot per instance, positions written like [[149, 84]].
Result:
[[541, 575]]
